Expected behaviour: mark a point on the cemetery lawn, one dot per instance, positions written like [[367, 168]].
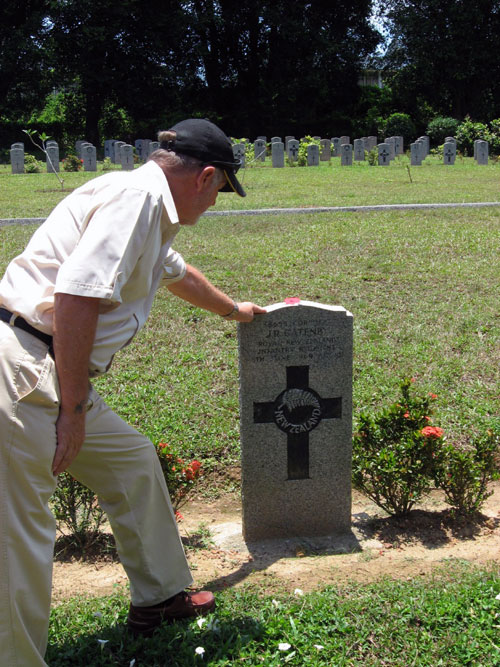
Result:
[[423, 288], [451, 618], [34, 195]]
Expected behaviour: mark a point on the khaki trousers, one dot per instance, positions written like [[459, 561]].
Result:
[[116, 462]]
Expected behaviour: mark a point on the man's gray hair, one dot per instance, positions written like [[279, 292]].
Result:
[[171, 160]]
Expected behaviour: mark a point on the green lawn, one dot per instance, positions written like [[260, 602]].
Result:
[[423, 287], [452, 619], [34, 195]]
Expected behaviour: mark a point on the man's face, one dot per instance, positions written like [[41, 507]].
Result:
[[203, 194]]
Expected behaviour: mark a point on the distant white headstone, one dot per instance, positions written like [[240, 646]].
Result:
[[278, 153], [17, 160]]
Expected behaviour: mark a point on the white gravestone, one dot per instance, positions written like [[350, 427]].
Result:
[[359, 150], [326, 150], [296, 421], [482, 152], [346, 155], [415, 154], [52, 157], [17, 160], [127, 157], [449, 152], [259, 149], [239, 153], [89, 157], [293, 149], [313, 155], [117, 152], [278, 154], [384, 155]]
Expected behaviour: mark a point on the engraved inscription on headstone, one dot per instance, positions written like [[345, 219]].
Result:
[[296, 421]]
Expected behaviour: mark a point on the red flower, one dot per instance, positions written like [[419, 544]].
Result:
[[427, 419], [432, 432], [162, 445], [406, 414], [178, 515], [434, 396]]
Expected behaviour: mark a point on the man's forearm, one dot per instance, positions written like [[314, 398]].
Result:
[[75, 321], [199, 291]]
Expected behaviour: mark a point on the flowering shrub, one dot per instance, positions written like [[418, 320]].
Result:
[[77, 511], [180, 476], [395, 452], [72, 163], [464, 473]]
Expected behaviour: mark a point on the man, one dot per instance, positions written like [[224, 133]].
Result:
[[79, 292]]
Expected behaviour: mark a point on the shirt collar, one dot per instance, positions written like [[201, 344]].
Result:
[[152, 172]]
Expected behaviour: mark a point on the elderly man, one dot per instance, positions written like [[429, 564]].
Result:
[[79, 292]]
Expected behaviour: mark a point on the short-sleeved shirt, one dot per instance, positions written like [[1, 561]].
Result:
[[109, 239]]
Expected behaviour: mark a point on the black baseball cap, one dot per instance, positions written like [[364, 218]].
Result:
[[201, 139]]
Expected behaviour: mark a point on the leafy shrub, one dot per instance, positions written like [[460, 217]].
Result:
[[107, 165], [400, 124], [32, 165], [302, 154], [77, 511], [464, 473], [72, 163], [372, 157], [441, 127], [495, 136], [180, 476], [395, 451], [468, 132]]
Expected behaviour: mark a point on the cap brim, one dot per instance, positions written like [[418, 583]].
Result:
[[233, 185]]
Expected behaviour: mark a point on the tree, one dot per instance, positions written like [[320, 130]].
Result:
[[446, 53], [23, 79]]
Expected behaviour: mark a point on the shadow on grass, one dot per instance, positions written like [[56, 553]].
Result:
[[431, 529], [172, 644]]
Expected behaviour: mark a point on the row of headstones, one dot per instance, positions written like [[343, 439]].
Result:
[[122, 153], [119, 152], [17, 157], [327, 148], [481, 151]]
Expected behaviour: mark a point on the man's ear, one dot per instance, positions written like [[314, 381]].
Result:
[[205, 177]]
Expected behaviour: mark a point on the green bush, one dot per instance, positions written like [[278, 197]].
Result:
[[107, 165], [400, 124], [32, 165], [468, 132], [441, 127], [181, 477], [464, 473], [395, 452], [302, 154], [495, 136], [372, 157], [72, 163], [77, 512]]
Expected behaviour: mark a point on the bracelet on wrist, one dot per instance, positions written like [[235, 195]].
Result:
[[233, 311]]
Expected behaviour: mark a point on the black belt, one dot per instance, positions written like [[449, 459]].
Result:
[[20, 323]]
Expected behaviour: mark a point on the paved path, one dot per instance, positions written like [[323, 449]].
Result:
[[298, 211]]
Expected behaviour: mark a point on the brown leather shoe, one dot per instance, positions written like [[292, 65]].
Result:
[[144, 620]]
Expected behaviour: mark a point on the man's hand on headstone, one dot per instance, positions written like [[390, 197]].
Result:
[[246, 311]]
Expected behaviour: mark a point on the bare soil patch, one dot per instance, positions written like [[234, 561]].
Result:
[[386, 547]]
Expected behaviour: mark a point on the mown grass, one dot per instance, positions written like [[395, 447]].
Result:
[[423, 287], [34, 195], [450, 619]]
